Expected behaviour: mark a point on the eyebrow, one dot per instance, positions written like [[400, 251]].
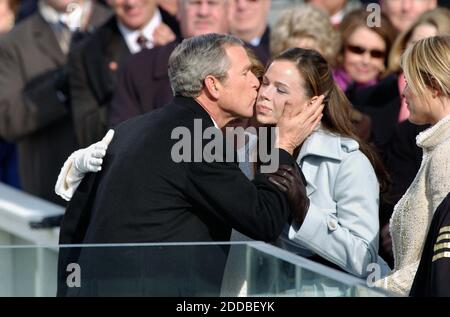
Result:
[[279, 83], [247, 67]]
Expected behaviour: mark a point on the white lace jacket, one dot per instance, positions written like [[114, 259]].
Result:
[[413, 213]]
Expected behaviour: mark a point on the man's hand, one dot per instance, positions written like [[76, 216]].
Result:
[[163, 35], [90, 159], [289, 181], [295, 125]]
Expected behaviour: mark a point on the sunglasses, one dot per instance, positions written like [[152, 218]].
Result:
[[361, 50]]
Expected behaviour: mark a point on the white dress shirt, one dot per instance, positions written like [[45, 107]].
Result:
[[131, 36]]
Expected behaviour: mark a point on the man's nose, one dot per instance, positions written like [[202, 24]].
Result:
[[240, 4], [254, 81], [203, 10], [406, 5]]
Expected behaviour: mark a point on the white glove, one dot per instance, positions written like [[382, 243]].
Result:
[[78, 164], [90, 159]]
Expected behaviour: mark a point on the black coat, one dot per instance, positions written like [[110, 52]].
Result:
[[382, 103], [262, 51], [93, 76], [142, 195], [402, 160], [32, 112], [142, 85], [433, 274]]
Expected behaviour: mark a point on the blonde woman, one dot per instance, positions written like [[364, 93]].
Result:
[[392, 133], [426, 66]]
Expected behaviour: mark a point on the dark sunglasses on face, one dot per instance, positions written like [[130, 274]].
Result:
[[361, 50]]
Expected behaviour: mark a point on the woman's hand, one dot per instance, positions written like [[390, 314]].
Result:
[[90, 159], [296, 124]]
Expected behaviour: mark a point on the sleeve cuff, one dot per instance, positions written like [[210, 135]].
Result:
[[68, 179], [311, 227]]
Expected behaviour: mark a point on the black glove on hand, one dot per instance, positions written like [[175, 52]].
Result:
[[289, 181], [61, 80]]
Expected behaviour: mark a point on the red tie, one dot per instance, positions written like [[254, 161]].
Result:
[[142, 41]]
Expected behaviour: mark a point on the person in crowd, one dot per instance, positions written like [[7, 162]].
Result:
[[426, 67], [8, 154], [433, 273], [341, 225], [8, 11], [248, 21], [362, 58], [34, 100], [402, 13], [308, 27], [143, 85], [143, 195], [93, 67], [383, 101], [336, 9], [394, 136]]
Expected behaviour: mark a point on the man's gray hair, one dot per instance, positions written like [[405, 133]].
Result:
[[196, 58]]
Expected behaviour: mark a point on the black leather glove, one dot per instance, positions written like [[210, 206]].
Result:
[[61, 81], [288, 179]]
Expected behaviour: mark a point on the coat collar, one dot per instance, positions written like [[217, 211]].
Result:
[[326, 144], [196, 108], [434, 135]]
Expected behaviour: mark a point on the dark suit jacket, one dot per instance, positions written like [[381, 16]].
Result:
[[262, 51], [142, 85], [142, 195], [93, 76], [31, 113], [382, 103], [433, 274], [402, 160]]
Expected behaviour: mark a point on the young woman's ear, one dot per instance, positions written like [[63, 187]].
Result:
[[312, 100]]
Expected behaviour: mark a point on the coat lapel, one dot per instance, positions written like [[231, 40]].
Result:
[[309, 171], [116, 50], [103, 57], [46, 40], [318, 144]]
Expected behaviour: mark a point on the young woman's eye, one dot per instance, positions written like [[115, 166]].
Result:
[[281, 90]]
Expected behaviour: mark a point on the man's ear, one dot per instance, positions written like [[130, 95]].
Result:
[[211, 85]]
